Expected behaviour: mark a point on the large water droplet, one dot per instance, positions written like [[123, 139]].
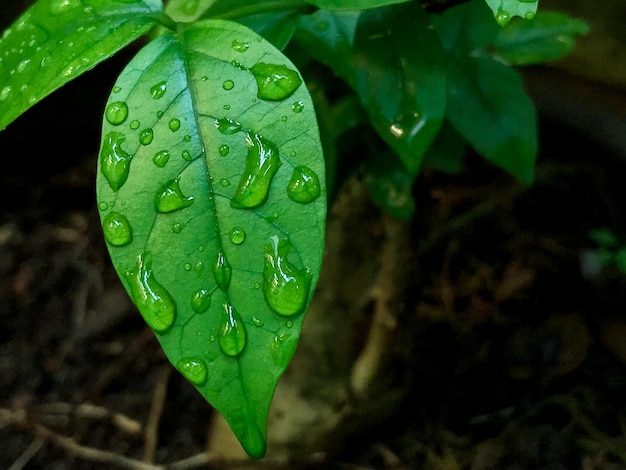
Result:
[[275, 82], [146, 136], [114, 161], [231, 335], [222, 271], [116, 113], [200, 300], [237, 235], [170, 198], [152, 299], [282, 348], [285, 287], [228, 85], [161, 158], [117, 229], [174, 124], [227, 126], [240, 46], [193, 369], [304, 185], [262, 163], [158, 90]]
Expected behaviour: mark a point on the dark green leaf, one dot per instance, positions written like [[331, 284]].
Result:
[[398, 73], [277, 28], [390, 185], [224, 195], [604, 237], [55, 41], [447, 151], [488, 106], [548, 36], [192, 10], [504, 10], [352, 4]]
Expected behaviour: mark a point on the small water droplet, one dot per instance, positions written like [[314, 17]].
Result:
[[282, 348], [231, 335], [226, 107], [152, 299], [275, 82], [170, 198], [198, 266], [224, 149], [116, 113], [159, 114], [186, 155], [304, 185], [22, 65], [116, 89], [257, 321], [228, 85], [283, 118], [117, 229], [297, 106], [224, 182], [146, 136], [503, 17], [58, 7], [201, 300], [285, 287], [529, 16], [134, 124], [237, 235], [288, 323], [240, 46], [262, 163], [222, 271], [5, 92], [114, 160], [174, 124], [158, 90], [103, 206], [227, 126], [187, 138], [177, 227], [161, 158], [193, 369], [187, 266]]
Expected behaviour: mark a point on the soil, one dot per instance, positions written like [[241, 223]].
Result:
[[505, 346]]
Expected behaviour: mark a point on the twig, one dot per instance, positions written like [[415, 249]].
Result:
[[27, 455], [151, 434], [88, 410]]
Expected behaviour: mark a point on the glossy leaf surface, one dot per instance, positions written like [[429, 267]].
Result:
[[55, 41], [224, 194], [398, 73]]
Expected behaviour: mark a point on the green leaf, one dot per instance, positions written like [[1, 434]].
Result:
[[352, 4], [192, 10], [504, 10], [390, 185], [447, 151], [488, 106], [548, 36], [55, 41], [277, 28], [398, 73], [213, 206]]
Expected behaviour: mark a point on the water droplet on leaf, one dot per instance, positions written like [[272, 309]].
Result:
[[222, 271], [5, 92], [262, 163], [193, 369], [161, 158], [117, 229], [116, 113], [200, 300], [275, 82], [227, 126], [152, 299], [157, 91], [282, 348], [503, 17], [170, 198], [146, 136], [237, 235], [224, 149], [174, 124], [134, 124], [231, 335], [304, 185], [228, 85], [285, 287], [240, 46], [297, 106], [114, 161]]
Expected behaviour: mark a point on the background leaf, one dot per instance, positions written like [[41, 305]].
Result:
[[548, 36], [55, 41], [213, 206], [352, 4], [504, 10], [398, 73]]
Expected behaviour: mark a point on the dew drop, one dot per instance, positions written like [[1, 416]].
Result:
[[240, 46], [152, 299], [5, 92], [22, 65], [283, 118], [103, 206], [530, 15], [146, 136], [262, 163], [222, 271], [174, 124], [177, 227], [116, 113], [200, 300], [228, 85], [282, 348], [224, 149], [158, 90], [503, 17], [297, 106], [58, 7], [187, 266], [226, 107], [227, 126], [161, 158], [117, 229], [193, 369], [114, 160], [159, 114], [231, 335], [237, 235], [275, 82], [186, 155], [257, 322], [134, 124], [170, 198], [285, 287], [116, 89], [224, 182], [304, 185]]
